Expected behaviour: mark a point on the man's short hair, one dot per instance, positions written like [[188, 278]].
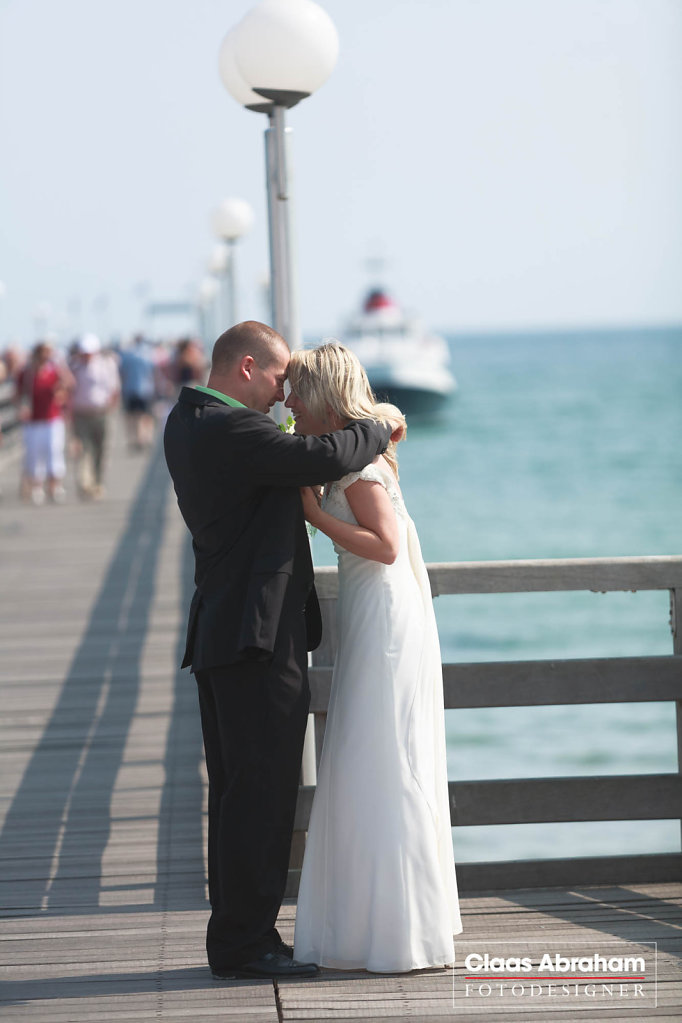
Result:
[[248, 338]]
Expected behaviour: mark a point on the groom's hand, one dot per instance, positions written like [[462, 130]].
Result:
[[396, 426], [311, 498], [392, 419]]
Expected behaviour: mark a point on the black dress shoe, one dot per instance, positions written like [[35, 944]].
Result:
[[229, 973], [273, 965]]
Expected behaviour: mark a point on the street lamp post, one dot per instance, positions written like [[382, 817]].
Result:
[[232, 219], [284, 292], [217, 268], [279, 54], [208, 293]]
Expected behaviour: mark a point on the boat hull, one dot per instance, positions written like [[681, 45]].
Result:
[[412, 400]]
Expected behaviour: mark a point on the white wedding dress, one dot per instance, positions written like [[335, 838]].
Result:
[[378, 888]]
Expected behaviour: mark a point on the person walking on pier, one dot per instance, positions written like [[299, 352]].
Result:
[[138, 389], [97, 387], [254, 613], [42, 389], [378, 888]]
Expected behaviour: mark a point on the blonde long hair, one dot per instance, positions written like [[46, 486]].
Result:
[[331, 378]]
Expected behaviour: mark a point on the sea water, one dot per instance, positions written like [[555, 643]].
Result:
[[563, 445]]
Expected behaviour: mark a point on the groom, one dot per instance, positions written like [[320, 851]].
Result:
[[253, 616]]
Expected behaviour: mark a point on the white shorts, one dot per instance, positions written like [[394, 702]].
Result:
[[44, 443]]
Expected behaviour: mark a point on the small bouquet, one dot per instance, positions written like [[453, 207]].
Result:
[[288, 427]]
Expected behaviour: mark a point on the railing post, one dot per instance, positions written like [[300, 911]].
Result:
[[676, 627]]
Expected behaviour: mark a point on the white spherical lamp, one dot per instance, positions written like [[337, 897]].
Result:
[[232, 219], [233, 80], [220, 260], [285, 49], [208, 289]]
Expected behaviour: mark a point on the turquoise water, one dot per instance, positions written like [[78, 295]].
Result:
[[555, 446]]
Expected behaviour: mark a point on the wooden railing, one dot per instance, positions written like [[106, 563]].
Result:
[[9, 418], [545, 682]]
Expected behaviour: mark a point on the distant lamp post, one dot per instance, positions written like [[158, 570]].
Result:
[[218, 267], [232, 219], [208, 293], [280, 53], [41, 319], [220, 257]]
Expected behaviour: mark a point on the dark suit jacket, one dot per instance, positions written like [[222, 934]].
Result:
[[236, 476]]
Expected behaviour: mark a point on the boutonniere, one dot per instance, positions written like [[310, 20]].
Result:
[[288, 426]]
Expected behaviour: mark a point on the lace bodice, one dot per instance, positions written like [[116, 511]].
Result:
[[336, 503]]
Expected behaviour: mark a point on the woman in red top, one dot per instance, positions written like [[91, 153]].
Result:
[[42, 387]]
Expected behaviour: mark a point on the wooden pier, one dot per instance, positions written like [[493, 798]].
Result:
[[102, 796]]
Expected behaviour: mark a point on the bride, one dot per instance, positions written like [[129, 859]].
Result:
[[378, 888]]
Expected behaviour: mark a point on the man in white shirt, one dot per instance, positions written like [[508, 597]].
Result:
[[95, 396]]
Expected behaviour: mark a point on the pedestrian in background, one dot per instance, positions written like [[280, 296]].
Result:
[[95, 396], [138, 390], [42, 390], [188, 365]]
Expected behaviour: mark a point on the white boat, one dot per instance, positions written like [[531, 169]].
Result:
[[406, 364]]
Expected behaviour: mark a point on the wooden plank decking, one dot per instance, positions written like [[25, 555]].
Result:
[[102, 804]]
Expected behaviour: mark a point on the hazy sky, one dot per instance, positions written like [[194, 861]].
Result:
[[516, 162]]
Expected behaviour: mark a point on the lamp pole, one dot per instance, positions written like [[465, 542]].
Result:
[[208, 293], [283, 292], [279, 54], [232, 219], [217, 268]]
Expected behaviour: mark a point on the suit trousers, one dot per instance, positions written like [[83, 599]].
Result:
[[253, 716]]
